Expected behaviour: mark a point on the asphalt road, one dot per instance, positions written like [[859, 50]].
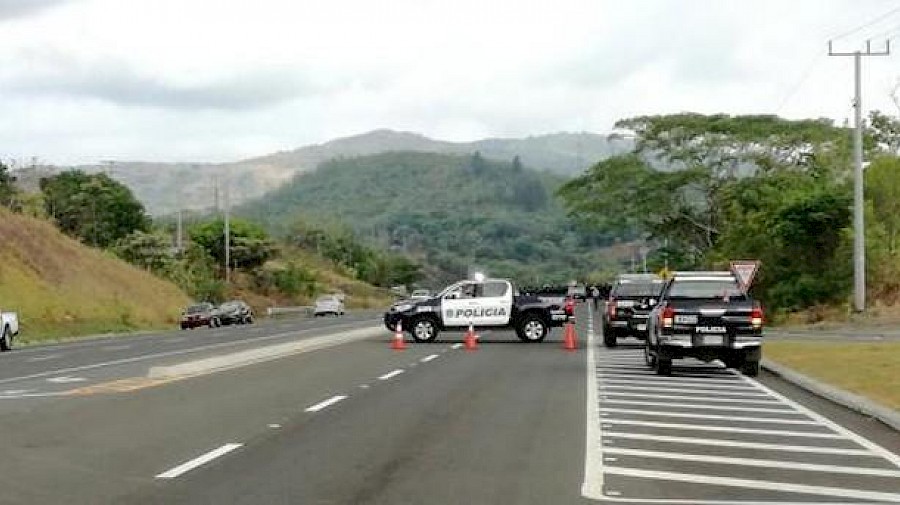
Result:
[[507, 423]]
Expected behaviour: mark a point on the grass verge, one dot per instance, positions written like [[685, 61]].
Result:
[[870, 369]]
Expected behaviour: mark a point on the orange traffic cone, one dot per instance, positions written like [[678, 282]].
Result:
[[399, 343], [471, 339], [570, 340]]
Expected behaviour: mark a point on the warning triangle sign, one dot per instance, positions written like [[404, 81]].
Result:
[[745, 271]]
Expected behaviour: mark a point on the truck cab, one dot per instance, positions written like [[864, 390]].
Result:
[[9, 328]]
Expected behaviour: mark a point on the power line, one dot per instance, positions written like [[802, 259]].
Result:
[[803, 77], [867, 24]]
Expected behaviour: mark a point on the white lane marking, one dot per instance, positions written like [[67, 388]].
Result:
[[651, 377], [832, 492], [65, 380], [786, 410], [655, 413], [592, 487], [199, 460], [605, 394], [725, 429], [325, 404], [179, 352], [34, 395], [718, 442], [750, 393], [274, 426], [456, 346], [363, 386], [868, 444], [763, 463], [688, 387], [9, 392], [115, 347], [428, 358], [391, 374], [43, 358]]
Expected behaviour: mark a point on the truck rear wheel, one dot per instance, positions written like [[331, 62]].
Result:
[[750, 368], [424, 329], [5, 340], [663, 366], [532, 328]]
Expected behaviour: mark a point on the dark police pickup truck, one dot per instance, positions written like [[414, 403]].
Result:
[[628, 307], [489, 303], [705, 315]]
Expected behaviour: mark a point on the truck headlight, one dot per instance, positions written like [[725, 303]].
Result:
[[403, 308]]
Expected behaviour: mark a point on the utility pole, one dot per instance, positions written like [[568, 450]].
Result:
[[859, 231], [179, 241], [227, 235]]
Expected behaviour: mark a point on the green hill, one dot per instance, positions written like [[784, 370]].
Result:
[[62, 288], [453, 212]]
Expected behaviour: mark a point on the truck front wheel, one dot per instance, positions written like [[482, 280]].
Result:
[[531, 328], [424, 329]]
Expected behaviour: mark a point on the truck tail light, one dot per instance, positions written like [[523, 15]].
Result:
[[668, 317], [611, 308], [756, 317], [569, 306]]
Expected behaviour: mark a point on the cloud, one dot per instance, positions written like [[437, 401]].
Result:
[[18, 8], [53, 74]]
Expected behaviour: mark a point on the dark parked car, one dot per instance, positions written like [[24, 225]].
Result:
[[235, 312], [629, 305], [201, 314]]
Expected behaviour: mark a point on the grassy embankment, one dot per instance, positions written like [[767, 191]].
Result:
[[61, 288], [870, 369]]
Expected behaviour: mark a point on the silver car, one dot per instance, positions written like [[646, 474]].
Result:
[[329, 306]]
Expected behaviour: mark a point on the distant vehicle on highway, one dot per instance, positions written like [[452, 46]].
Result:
[[577, 291], [235, 312], [630, 301], [705, 315], [420, 293], [487, 303], [9, 328], [201, 314], [328, 305]]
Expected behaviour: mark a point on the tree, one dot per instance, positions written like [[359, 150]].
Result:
[[93, 208], [517, 165], [250, 245], [152, 251], [8, 190]]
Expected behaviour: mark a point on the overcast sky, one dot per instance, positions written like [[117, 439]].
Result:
[[211, 80]]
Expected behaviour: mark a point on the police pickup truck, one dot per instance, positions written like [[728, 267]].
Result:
[[628, 308], [705, 315], [489, 303]]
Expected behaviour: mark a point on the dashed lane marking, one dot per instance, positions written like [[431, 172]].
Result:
[[428, 358], [65, 380], [198, 461], [325, 403], [391, 374]]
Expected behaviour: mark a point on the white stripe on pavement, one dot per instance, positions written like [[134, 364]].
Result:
[[763, 463], [428, 358], [682, 397], [725, 429], [592, 487], [786, 410], [718, 442], [702, 392], [833, 492], [655, 413], [200, 460], [390, 374], [325, 404]]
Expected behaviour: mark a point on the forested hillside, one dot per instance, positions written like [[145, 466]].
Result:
[[454, 212]]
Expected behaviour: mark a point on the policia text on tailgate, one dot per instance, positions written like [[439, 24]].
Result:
[[491, 303]]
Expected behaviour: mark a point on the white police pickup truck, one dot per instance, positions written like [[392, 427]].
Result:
[[9, 328], [488, 303]]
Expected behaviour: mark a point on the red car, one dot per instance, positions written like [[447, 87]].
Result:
[[202, 314]]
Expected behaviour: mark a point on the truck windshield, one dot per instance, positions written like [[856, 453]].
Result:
[[637, 289], [717, 288]]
